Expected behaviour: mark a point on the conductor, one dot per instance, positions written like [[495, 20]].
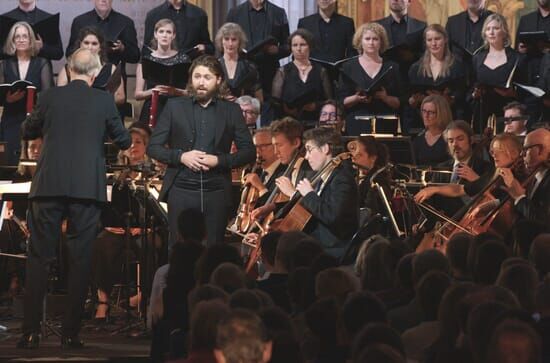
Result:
[[69, 183]]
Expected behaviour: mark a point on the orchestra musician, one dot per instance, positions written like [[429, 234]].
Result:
[[515, 118], [250, 107], [333, 201], [332, 116], [429, 146], [360, 73], [300, 86], [194, 137], [241, 75], [93, 39], [22, 63], [69, 182], [163, 50]]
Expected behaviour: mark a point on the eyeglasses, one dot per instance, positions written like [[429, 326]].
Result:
[[330, 115], [526, 148], [309, 149], [429, 112], [250, 112]]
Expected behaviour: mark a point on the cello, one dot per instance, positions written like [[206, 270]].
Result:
[[249, 197]]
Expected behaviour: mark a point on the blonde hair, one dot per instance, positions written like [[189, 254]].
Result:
[[444, 114], [502, 22], [448, 59], [376, 29], [9, 47], [509, 143], [162, 22], [229, 29]]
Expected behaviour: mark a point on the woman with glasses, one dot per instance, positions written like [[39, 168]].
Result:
[[438, 72], [22, 64], [429, 146], [241, 75]]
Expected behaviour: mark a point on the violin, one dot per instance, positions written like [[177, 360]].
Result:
[[249, 197]]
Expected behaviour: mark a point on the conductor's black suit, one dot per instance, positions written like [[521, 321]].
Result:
[[70, 183]]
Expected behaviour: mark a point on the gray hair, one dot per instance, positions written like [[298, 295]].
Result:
[[249, 100], [83, 62]]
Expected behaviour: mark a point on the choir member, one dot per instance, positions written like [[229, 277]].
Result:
[[464, 28], [118, 29], [493, 67], [438, 72], [164, 51], [537, 20], [360, 73], [429, 146], [300, 86], [191, 26], [27, 11], [544, 84], [93, 39], [260, 20], [241, 75], [23, 63]]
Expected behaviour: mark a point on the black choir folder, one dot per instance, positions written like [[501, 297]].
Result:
[[375, 86], [173, 74], [534, 38], [20, 85], [114, 80], [332, 64], [439, 85], [259, 46], [47, 29]]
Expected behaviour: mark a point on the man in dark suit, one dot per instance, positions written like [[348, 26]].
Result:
[[118, 29], [193, 137], [464, 29], [51, 49], [534, 21], [333, 201], [261, 19], [69, 183], [332, 33], [191, 27], [532, 202]]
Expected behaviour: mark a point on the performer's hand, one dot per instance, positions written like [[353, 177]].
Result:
[[482, 210], [12, 97], [304, 187], [261, 212], [192, 159], [285, 186], [424, 194], [254, 180], [165, 90], [118, 47], [477, 92], [522, 48], [507, 176], [39, 43], [252, 238], [208, 161], [381, 95], [416, 99], [516, 190], [201, 48], [362, 98], [466, 173]]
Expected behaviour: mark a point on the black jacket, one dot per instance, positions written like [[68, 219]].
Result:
[[530, 23], [537, 208], [175, 133], [335, 213], [456, 29], [74, 120], [415, 28], [340, 44]]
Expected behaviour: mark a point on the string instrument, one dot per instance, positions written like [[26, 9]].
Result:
[[498, 221], [249, 197], [263, 228], [153, 109], [294, 217], [31, 92]]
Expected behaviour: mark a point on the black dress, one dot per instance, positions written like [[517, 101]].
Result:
[[430, 155], [491, 102], [354, 77], [455, 81], [40, 75], [151, 83], [246, 80], [290, 93]]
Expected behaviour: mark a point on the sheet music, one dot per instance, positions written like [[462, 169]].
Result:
[[15, 188]]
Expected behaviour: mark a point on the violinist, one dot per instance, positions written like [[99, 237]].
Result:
[[333, 201], [532, 201]]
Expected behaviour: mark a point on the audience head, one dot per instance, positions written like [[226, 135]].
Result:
[[539, 254], [336, 283], [280, 330], [229, 277], [458, 136], [429, 260], [489, 257], [269, 247], [381, 353], [241, 337], [212, 257], [191, 225], [245, 299], [370, 38], [286, 136], [183, 260], [21, 39], [376, 333], [404, 271], [457, 253], [436, 112], [430, 290], [305, 252], [521, 279], [515, 118], [250, 107], [230, 39], [542, 298], [204, 324], [164, 35], [514, 341], [360, 309], [285, 249], [379, 267], [205, 293]]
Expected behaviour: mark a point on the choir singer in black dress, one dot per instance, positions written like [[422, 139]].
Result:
[[360, 73], [300, 87], [193, 137]]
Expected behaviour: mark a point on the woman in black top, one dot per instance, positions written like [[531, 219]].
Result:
[[92, 38], [360, 73], [163, 51], [438, 72], [300, 87], [492, 67], [241, 75], [21, 64], [429, 146]]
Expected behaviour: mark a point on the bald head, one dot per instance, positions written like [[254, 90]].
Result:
[[537, 147]]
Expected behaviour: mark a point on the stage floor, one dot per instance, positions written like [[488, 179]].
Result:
[[102, 344]]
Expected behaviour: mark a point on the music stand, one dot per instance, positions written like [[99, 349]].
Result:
[[386, 125]]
